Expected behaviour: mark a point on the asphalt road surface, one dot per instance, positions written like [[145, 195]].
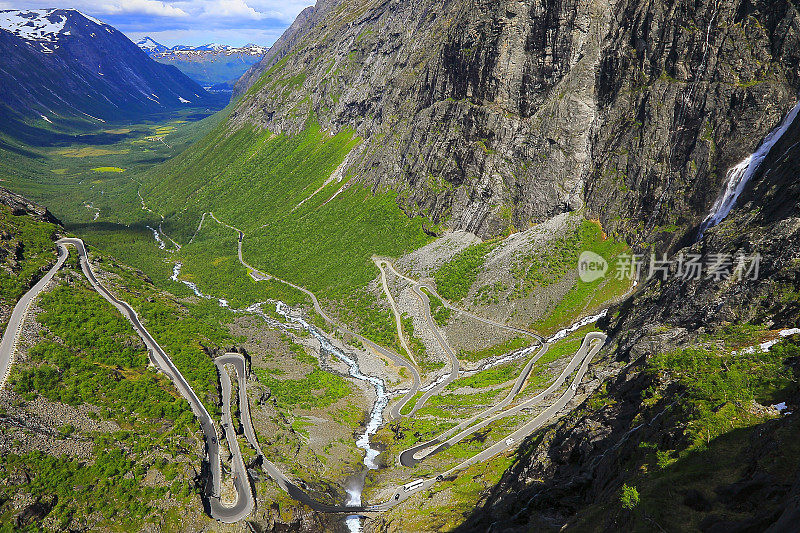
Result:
[[162, 361], [375, 348], [591, 345], [382, 264], [14, 328], [429, 287], [245, 503], [241, 480]]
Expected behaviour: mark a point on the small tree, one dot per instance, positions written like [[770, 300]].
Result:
[[629, 497]]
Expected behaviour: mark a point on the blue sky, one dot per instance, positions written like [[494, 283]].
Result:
[[233, 22]]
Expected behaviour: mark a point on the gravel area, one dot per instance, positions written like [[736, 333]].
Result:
[[426, 260]]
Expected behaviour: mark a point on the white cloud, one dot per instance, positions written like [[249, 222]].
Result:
[[233, 21], [285, 10], [146, 7], [232, 9]]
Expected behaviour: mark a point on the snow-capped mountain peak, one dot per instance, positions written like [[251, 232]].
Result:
[[150, 46], [213, 47], [43, 26], [33, 25], [155, 48]]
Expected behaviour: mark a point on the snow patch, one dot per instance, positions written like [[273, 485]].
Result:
[[782, 408], [765, 346], [96, 21], [183, 100], [33, 25]]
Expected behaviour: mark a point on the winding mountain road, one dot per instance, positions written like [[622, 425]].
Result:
[[428, 285], [376, 348], [455, 367], [159, 358], [245, 502], [241, 480], [162, 361], [14, 328], [593, 342], [238, 363], [584, 355], [406, 458]]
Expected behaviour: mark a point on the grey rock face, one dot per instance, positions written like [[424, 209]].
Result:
[[478, 113], [582, 459], [488, 114], [686, 90], [22, 206]]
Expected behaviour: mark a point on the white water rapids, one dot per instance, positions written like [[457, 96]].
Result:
[[375, 421], [740, 175], [376, 415], [161, 244], [176, 271]]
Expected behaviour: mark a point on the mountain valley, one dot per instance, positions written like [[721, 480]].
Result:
[[461, 266]]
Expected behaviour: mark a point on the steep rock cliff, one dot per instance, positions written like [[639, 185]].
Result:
[[487, 114], [478, 113], [571, 474]]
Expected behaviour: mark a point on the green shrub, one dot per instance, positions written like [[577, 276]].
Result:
[[456, 277], [319, 389], [628, 497], [26, 249], [721, 385], [441, 314]]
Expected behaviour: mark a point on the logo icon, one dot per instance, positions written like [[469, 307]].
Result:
[[591, 267]]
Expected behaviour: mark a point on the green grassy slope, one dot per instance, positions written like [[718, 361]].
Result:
[[26, 250], [264, 184], [61, 173]]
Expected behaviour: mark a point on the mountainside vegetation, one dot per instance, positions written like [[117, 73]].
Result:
[[299, 223], [123, 453], [100, 76], [476, 148]]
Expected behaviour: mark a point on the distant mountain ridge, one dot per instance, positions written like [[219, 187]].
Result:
[[153, 47], [150, 46], [61, 68], [212, 64]]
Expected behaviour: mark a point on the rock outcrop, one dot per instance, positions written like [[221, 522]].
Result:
[[20, 205], [581, 462]]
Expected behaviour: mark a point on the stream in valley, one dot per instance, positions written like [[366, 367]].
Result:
[[375, 421], [375, 418]]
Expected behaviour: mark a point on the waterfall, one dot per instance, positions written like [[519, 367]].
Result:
[[739, 176]]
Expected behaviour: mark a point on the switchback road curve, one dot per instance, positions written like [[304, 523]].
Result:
[[157, 356], [389, 354], [591, 344], [162, 361], [245, 501], [583, 356]]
